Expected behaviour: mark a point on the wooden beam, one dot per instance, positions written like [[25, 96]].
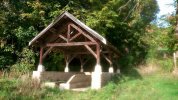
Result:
[[89, 37], [78, 29], [68, 33], [75, 36], [82, 61], [71, 58], [46, 53], [70, 44], [62, 37], [107, 59], [98, 54], [104, 52], [41, 56], [91, 51], [53, 30]]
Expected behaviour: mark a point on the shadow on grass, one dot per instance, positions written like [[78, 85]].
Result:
[[127, 75]]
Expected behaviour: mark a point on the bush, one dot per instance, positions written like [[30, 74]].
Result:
[[166, 64], [25, 63]]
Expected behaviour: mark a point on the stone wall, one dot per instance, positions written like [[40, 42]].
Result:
[[53, 75], [75, 79]]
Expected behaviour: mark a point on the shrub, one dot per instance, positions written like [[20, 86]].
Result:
[[166, 64], [25, 63]]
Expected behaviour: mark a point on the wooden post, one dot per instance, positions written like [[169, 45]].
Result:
[[98, 53], [41, 55], [81, 62], [109, 60], [68, 33], [81, 70], [40, 66], [68, 59], [67, 67], [111, 69], [67, 63], [98, 66]]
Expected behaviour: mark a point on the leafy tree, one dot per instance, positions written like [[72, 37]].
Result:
[[122, 22]]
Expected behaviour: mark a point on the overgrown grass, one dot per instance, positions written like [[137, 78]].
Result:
[[152, 87]]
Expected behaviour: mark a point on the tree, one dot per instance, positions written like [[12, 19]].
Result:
[[122, 22]]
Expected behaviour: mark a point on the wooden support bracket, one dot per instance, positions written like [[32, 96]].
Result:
[[78, 29], [91, 51], [62, 37], [75, 36], [46, 53], [107, 59]]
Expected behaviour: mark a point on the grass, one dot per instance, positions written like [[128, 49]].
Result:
[[149, 87]]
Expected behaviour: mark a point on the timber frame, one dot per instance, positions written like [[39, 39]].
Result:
[[67, 35]]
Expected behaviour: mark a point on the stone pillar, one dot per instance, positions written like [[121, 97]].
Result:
[[96, 75], [67, 67], [111, 69], [81, 69], [40, 68]]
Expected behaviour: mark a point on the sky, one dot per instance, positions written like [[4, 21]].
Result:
[[165, 7]]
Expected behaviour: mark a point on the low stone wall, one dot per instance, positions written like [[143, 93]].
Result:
[[75, 79], [57, 76], [53, 75]]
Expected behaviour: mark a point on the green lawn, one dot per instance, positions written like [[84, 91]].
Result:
[[148, 87]]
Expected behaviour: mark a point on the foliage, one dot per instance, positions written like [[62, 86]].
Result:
[[56, 61], [122, 22], [160, 47], [25, 63]]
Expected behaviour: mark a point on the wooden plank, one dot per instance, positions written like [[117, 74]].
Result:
[[70, 44], [91, 51]]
